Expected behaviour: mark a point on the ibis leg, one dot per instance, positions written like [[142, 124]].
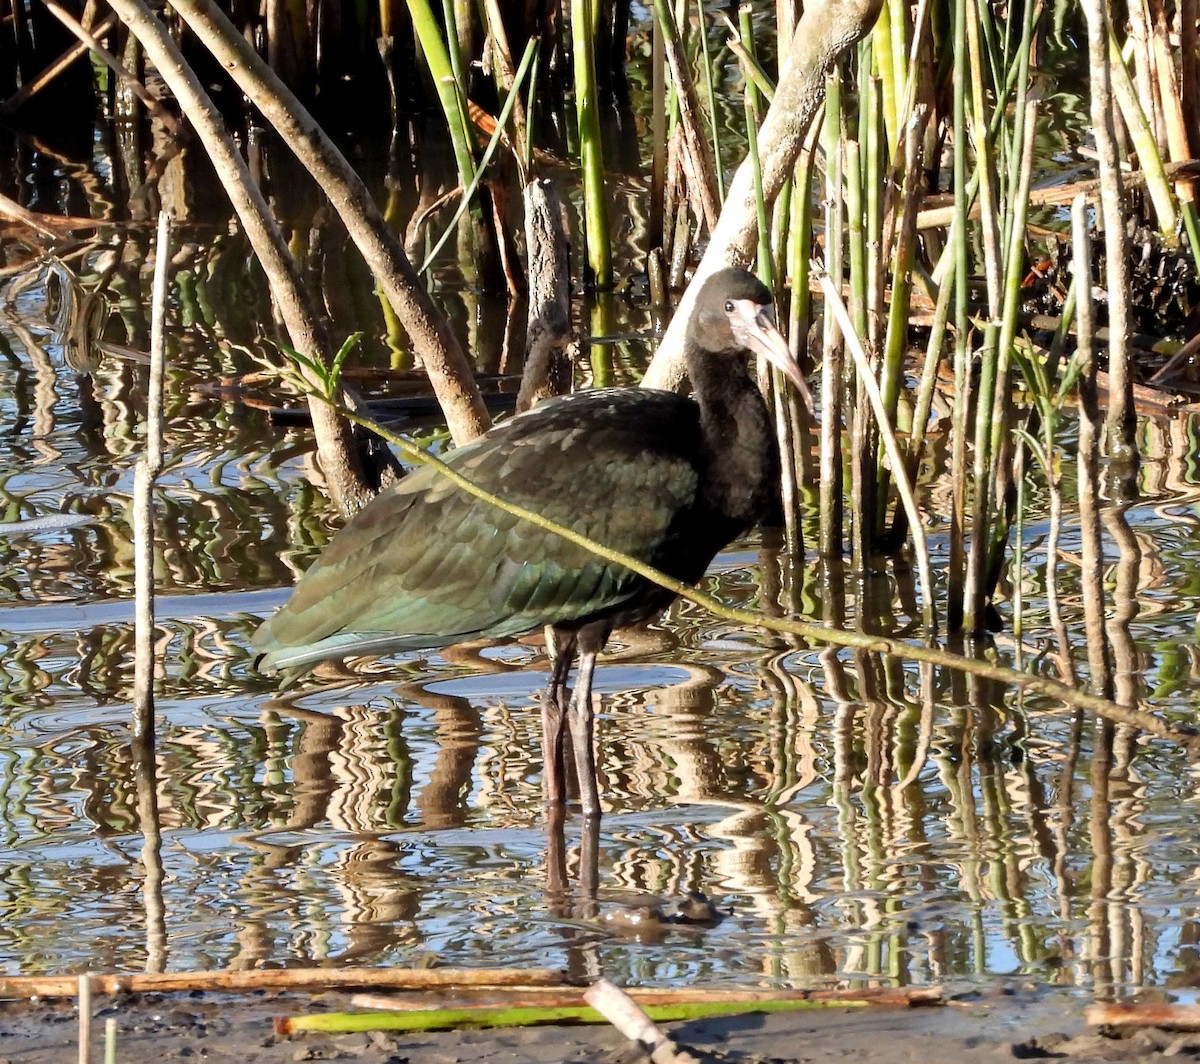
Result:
[[588, 887], [556, 861], [579, 719], [561, 646]]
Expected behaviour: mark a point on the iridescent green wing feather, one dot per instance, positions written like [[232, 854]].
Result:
[[427, 564]]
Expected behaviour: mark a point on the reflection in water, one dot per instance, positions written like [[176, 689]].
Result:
[[146, 775], [860, 819]]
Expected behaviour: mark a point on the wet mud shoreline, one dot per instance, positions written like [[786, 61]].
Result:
[[988, 1026]]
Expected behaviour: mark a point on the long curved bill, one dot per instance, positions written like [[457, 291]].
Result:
[[760, 335]]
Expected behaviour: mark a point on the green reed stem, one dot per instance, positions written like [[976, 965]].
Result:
[[856, 241], [864, 167], [987, 22], [832, 491], [866, 65], [885, 60], [898, 24], [658, 138], [531, 110], [895, 346], [981, 479], [958, 459], [1020, 102], [887, 434], [454, 105], [1013, 276], [591, 154], [531, 1015], [1144, 142], [800, 254], [896, 337], [751, 67], [921, 41], [531, 51], [775, 385], [874, 141], [862, 438], [601, 323], [1018, 614], [984, 156], [934, 352], [714, 125], [454, 47], [750, 98]]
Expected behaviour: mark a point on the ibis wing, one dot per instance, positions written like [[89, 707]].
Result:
[[427, 564]]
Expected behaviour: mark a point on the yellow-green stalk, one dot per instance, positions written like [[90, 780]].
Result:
[[454, 106], [591, 155]]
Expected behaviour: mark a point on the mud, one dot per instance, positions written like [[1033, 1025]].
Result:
[[989, 1027]]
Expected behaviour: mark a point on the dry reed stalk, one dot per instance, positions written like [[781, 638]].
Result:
[[1177, 362], [143, 505], [566, 997], [49, 225], [941, 214], [655, 234], [1169, 90], [83, 986], [1145, 74], [691, 116], [306, 979], [341, 462], [504, 61], [1126, 1014], [547, 368], [1121, 419], [1092, 575]]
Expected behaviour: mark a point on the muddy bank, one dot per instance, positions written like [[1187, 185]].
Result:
[[992, 1026]]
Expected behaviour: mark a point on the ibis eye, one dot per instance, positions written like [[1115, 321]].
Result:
[[729, 306]]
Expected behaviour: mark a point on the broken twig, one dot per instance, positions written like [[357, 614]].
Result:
[[628, 1017]]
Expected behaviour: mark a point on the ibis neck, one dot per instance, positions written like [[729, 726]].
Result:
[[742, 460]]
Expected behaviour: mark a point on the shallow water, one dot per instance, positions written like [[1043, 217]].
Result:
[[856, 818]]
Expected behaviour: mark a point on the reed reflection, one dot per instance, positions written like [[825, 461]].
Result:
[[884, 824]]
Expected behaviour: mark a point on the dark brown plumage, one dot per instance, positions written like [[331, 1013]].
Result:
[[667, 479]]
